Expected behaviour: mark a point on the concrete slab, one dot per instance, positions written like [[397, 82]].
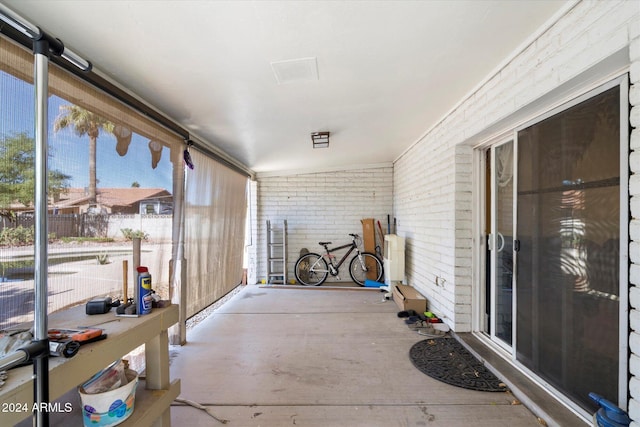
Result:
[[309, 299], [320, 358], [358, 416]]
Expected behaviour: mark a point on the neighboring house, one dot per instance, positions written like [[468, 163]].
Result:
[[65, 219], [116, 201]]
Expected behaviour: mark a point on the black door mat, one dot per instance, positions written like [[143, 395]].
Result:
[[446, 360]]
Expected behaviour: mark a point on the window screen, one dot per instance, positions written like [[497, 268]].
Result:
[[110, 178]]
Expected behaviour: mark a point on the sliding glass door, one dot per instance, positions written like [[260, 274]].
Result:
[[556, 257], [568, 229], [500, 243]]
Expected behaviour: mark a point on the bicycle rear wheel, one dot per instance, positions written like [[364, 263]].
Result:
[[372, 268], [311, 270]]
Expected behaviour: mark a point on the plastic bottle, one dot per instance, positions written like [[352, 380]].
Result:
[[144, 291], [609, 415]]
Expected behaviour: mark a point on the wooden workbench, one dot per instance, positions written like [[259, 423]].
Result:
[[124, 334]]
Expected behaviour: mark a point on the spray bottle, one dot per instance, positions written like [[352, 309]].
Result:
[[144, 291]]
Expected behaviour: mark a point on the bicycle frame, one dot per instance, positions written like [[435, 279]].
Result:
[[312, 269], [333, 268], [352, 247]]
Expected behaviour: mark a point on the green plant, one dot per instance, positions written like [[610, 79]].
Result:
[[16, 236], [130, 234], [17, 178], [87, 239]]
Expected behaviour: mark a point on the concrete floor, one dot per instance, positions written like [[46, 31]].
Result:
[[319, 357]]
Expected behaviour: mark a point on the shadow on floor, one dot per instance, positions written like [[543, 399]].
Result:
[[277, 357]]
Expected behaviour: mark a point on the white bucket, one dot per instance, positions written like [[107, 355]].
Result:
[[111, 407]]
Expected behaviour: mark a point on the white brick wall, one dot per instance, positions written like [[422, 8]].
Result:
[[157, 227], [432, 181], [634, 227], [324, 206], [252, 255]]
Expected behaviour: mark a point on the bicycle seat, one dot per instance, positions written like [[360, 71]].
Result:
[[324, 243]]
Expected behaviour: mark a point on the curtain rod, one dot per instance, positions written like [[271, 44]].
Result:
[[207, 152]]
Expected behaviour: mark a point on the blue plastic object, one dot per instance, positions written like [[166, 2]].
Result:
[[372, 284], [609, 415]]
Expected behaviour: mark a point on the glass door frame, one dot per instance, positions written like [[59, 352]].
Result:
[[480, 248], [496, 245], [622, 82], [479, 321]]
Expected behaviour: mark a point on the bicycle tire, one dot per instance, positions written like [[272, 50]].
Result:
[[307, 274], [371, 261]]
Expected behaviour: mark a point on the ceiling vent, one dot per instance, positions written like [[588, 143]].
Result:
[[295, 70]]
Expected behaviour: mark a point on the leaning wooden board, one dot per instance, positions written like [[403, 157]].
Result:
[[369, 243]]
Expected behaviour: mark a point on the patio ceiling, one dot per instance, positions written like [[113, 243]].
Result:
[[256, 78]]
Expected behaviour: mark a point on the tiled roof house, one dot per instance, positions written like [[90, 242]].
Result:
[[111, 200]]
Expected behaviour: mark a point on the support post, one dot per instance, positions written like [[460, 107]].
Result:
[[40, 328]]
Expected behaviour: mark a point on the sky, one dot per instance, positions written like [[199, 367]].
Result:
[[69, 153]]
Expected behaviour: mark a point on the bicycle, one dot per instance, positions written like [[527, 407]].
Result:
[[312, 269]]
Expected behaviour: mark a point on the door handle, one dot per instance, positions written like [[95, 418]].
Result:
[[501, 245]]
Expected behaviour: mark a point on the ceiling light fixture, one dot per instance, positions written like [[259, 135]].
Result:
[[320, 139]]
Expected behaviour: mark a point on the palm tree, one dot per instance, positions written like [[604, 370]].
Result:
[[84, 122]]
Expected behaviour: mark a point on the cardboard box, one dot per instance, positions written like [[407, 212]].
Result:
[[407, 298]]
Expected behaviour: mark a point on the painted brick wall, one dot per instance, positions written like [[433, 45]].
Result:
[[318, 207], [634, 226], [252, 248], [432, 201], [433, 189]]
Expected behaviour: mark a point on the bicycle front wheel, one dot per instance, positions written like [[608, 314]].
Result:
[[366, 266], [311, 270]]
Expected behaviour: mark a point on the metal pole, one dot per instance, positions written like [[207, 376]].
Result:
[[43, 46], [13, 359], [136, 264], [40, 332]]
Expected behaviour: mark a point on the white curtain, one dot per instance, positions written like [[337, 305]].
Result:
[[215, 215]]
